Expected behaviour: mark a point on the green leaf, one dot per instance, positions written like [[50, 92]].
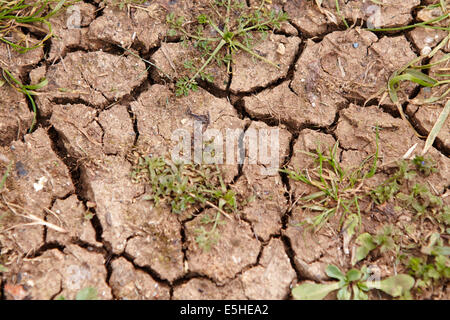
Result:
[[58, 6], [435, 247], [394, 286], [441, 250], [202, 19], [437, 127], [353, 275], [367, 244], [344, 294], [38, 86], [3, 268], [88, 293], [413, 75], [420, 77], [334, 272], [358, 294], [313, 291]]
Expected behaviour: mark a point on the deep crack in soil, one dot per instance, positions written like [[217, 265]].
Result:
[[114, 212]]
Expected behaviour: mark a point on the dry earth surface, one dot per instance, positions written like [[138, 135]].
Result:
[[103, 106]]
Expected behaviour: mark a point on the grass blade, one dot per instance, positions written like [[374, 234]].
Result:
[[437, 127]]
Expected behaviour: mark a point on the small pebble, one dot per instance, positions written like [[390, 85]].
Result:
[[90, 204], [281, 49], [426, 50], [20, 169]]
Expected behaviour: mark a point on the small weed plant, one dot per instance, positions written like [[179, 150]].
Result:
[[353, 285], [226, 28], [186, 186]]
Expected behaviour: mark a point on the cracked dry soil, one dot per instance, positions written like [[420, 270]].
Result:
[[103, 104]]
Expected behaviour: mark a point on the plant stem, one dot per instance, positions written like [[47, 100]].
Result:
[[219, 46]]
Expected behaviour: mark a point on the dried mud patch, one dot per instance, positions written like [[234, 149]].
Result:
[[346, 66], [109, 186], [69, 33], [19, 63], [349, 66], [103, 110], [204, 289], [38, 178], [312, 21], [130, 284], [271, 279], [356, 131], [249, 73], [96, 78], [56, 273], [15, 117], [71, 214], [236, 249], [424, 116], [160, 115], [262, 192], [170, 58], [157, 243], [140, 28]]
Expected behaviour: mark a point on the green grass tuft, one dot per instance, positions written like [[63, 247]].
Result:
[[235, 28], [186, 186]]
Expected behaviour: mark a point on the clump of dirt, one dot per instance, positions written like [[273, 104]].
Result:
[[159, 114], [104, 108], [236, 249], [356, 131], [58, 274], [156, 243], [271, 279], [128, 283], [71, 214], [315, 21], [37, 179], [15, 117], [96, 78], [262, 195], [204, 289], [424, 116]]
